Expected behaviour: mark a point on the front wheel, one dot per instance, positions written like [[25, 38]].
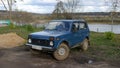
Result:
[[85, 45], [62, 52]]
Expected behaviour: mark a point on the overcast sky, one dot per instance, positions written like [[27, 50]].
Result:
[[47, 6]]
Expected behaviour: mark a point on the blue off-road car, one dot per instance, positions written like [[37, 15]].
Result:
[[60, 36]]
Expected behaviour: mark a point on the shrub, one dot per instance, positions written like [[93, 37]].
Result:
[[30, 28], [12, 26], [109, 35]]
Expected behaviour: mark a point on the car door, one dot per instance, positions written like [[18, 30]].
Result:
[[83, 31], [75, 35]]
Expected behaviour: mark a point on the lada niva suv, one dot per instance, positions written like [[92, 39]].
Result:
[[60, 36]]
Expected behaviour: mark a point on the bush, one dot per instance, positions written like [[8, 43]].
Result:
[[12, 26], [30, 28], [109, 35]]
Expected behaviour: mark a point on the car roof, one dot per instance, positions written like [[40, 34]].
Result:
[[71, 21]]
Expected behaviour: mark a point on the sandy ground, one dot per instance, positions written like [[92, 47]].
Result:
[[10, 40], [20, 57]]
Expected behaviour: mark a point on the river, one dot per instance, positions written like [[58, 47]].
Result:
[[104, 28]]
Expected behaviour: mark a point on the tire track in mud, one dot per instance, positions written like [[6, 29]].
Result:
[[20, 57]]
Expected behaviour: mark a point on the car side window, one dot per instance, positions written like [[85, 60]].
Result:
[[75, 27], [82, 25]]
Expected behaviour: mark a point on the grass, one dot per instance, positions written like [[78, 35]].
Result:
[[101, 48], [20, 30]]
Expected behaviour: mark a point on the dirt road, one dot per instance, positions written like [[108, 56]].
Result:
[[20, 57]]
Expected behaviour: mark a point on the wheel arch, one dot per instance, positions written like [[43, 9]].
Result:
[[88, 40], [87, 37], [66, 42]]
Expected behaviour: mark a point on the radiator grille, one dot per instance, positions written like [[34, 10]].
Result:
[[40, 42]]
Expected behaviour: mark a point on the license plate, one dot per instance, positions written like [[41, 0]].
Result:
[[37, 47]]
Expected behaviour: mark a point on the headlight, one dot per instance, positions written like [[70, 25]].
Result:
[[51, 43], [29, 41]]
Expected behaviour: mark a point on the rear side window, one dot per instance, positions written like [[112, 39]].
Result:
[[82, 25], [76, 25]]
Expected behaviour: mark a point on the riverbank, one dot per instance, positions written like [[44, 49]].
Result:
[[103, 48], [100, 49], [115, 23]]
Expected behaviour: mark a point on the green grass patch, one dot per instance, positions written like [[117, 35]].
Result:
[[103, 48], [20, 30]]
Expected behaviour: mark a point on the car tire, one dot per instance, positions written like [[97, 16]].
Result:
[[62, 52], [85, 45]]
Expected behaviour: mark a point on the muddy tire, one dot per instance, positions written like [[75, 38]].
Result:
[[62, 52], [85, 45]]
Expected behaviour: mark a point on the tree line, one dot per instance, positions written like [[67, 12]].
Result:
[[64, 9]]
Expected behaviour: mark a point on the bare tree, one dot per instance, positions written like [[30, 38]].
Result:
[[8, 5], [59, 10], [114, 6], [68, 7]]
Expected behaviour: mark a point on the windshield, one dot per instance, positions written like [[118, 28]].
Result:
[[61, 26]]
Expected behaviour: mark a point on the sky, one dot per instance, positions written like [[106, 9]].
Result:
[[47, 6]]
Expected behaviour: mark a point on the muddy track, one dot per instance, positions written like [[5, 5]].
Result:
[[20, 57]]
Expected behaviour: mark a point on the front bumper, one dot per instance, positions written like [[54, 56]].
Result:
[[40, 47]]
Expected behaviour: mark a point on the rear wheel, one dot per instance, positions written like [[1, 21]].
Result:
[[62, 52], [85, 45]]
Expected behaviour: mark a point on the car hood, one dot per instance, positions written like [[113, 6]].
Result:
[[46, 34]]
